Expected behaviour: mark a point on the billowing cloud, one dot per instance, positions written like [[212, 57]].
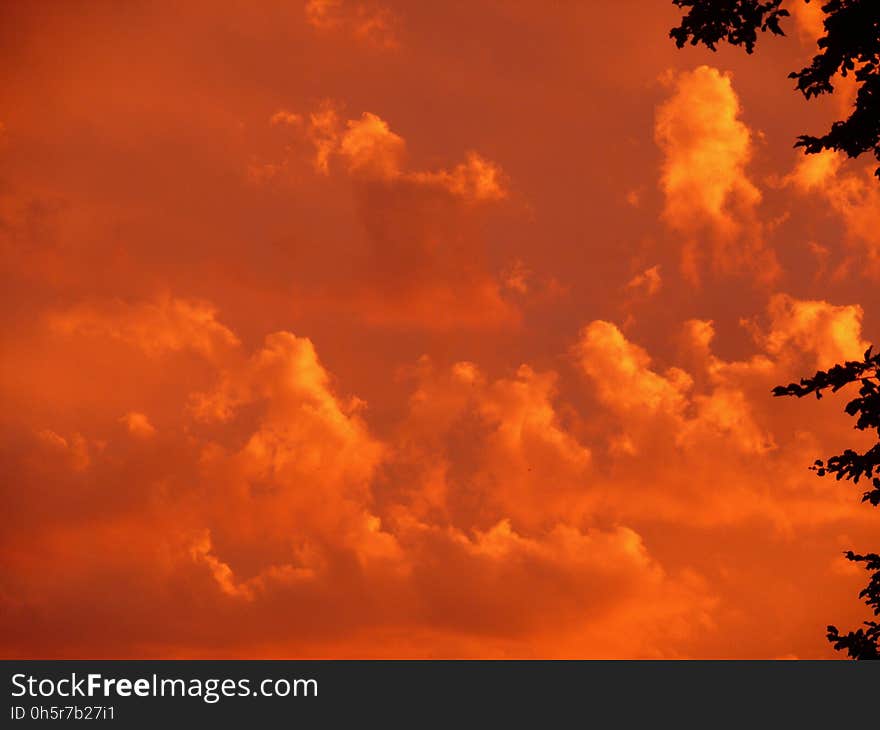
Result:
[[304, 431], [277, 503], [831, 333], [362, 333], [647, 403], [488, 450], [708, 424], [424, 262], [371, 152], [275, 496], [852, 195], [708, 192], [621, 371], [370, 149]]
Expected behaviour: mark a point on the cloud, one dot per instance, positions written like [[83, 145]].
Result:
[[371, 150], [707, 148], [164, 325], [809, 19], [138, 424], [424, 262], [273, 503], [269, 496], [259, 464], [829, 332], [486, 449], [707, 190], [646, 403], [476, 179], [715, 398], [324, 134], [301, 478], [586, 585], [648, 282], [516, 277], [622, 375], [221, 572], [285, 117], [707, 424], [73, 450], [852, 195], [370, 23]]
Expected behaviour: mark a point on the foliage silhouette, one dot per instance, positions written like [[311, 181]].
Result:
[[851, 44], [851, 465]]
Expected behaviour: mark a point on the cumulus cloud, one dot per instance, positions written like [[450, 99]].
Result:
[[370, 151], [268, 474], [715, 398], [272, 499], [622, 374], [852, 195], [646, 401], [424, 262], [708, 192], [487, 448], [278, 499], [706, 424], [829, 332], [301, 479]]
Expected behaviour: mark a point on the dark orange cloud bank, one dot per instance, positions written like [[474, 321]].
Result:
[[413, 329]]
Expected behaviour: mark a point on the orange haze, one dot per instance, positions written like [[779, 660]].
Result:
[[354, 328]]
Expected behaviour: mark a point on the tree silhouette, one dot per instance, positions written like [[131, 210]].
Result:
[[851, 465], [851, 44]]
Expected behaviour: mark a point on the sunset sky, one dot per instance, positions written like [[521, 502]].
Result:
[[346, 329]]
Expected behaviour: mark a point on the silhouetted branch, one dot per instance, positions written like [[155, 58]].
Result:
[[851, 465]]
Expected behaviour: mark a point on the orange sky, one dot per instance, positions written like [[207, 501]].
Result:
[[407, 329]]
